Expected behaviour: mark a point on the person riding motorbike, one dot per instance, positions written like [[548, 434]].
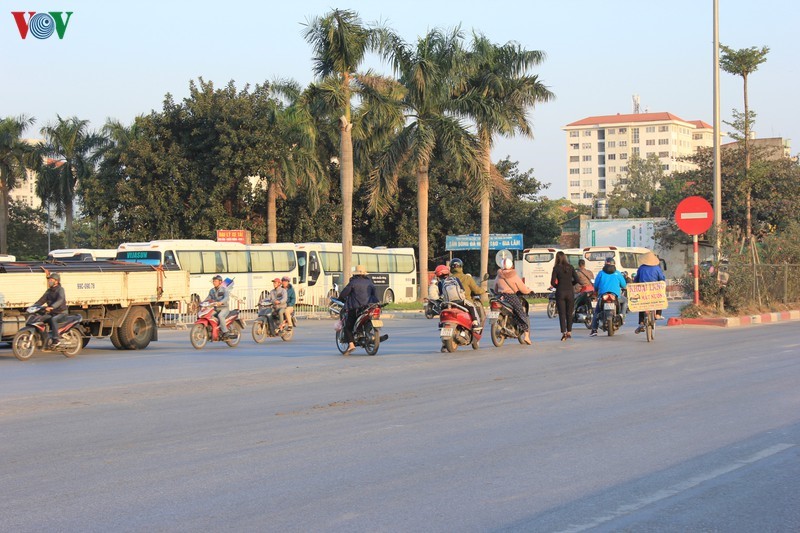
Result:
[[584, 275], [508, 283], [219, 295], [55, 301], [291, 299], [358, 294], [649, 270], [470, 288], [278, 297], [608, 280]]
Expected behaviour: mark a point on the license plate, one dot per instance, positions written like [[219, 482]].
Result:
[[446, 332], [609, 307], [493, 315], [377, 323]]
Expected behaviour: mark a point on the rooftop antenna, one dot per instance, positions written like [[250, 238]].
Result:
[[635, 104]]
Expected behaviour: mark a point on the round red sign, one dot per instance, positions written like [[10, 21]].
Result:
[[694, 215]]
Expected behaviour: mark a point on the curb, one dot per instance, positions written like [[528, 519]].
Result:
[[736, 321]]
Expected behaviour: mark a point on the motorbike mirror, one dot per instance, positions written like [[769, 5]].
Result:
[[485, 277]]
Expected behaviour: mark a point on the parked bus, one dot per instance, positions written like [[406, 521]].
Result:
[[71, 255], [249, 267], [537, 268], [626, 258], [7, 258], [393, 270]]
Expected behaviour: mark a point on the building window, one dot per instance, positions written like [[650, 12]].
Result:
[[587, 133], [635, 132], [575, 183], [611, 131], [587, 146], [623, 144], [587, 170], [663, 141], [623, 169], [611, 170], [663, 154], [635, 150], [663, 128], [650, 129], [623, 130], [650, 142], [612, 144], [601, 172], [623, 156], [574, 146], [574, 133], [575, 196], [587, 158], [697, 136], [612, 157], [588, 183], [574, 158], [664, 167], [574, 171], [601, 185], [648, 154]]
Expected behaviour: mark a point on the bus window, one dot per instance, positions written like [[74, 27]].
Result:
[[405, 264], [313, 269], [283, 260], [169, 258], [237, 261], [301, 266], [191, 261]]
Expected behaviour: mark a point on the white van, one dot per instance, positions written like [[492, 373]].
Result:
[[537, 268], [627, 259]]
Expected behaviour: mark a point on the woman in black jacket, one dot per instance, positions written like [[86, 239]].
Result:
[[563, 279]]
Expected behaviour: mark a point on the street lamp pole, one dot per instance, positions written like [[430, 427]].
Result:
[[717, 164]]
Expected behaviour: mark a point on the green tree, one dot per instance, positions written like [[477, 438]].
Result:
[[425, 71], [27, 235], [16, 158], [498, 92], [340, 43], [73, 151], [636, 191], [742, 63]]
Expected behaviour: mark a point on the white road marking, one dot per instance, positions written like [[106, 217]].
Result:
[[678, 488]]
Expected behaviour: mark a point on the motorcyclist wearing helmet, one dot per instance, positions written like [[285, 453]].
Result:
[[55, 301], [470, 288], [219, 295], [608, 280], [508, 284]]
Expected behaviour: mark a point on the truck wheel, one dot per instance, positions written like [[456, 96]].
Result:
[[23, 344], [115, 339], [136, 332]]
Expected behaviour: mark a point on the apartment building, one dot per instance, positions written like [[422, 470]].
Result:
[[599, 148]]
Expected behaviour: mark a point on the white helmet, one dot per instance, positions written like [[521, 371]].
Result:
[[508, 263]]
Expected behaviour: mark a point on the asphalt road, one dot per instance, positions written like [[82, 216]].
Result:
[[699, 431]]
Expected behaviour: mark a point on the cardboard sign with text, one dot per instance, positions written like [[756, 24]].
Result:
[[650, 296]]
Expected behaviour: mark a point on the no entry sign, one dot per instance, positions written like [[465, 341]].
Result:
[[694, 215]]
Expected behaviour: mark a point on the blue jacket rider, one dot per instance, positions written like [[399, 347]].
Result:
[[608, 280]]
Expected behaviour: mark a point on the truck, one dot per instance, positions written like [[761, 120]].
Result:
[[119, 300]]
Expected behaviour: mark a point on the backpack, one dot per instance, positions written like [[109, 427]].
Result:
[[452, 290]]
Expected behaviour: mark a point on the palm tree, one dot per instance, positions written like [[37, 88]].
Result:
[[294, 162], [340, 42], [424, 72], [497, 92], [743, 63], [72, 151], [16, 157]]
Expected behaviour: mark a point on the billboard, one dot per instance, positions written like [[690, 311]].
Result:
[[497, 241]]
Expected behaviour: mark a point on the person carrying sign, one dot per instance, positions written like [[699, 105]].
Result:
[[649, 270]]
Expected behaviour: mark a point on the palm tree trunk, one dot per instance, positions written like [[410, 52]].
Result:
[[68, 223], [272, 202], [4, 216], [346, 177], [486, 154], [423, 187]]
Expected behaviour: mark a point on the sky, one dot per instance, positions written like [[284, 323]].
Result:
[[118, 59]]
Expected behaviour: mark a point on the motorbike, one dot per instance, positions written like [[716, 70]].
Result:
[[504, 322], [583, 306], [455, 326], [206, 327], [610, 319], [34, 335], [366, 331], [268, 322], [433, 307]]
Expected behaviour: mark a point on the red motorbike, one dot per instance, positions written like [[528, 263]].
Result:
[[34, 335], [206, 327], [455, 326], [366, 331]]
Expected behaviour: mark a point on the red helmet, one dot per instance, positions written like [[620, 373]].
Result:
[[442, 270]]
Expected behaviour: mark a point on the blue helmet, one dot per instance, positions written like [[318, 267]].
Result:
[[456, 263]]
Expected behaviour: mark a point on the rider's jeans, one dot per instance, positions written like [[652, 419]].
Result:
[[222, 314]]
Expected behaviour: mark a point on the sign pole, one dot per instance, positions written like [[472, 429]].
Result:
[[696, 246]]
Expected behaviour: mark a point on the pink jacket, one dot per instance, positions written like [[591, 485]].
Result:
[[509, 282]]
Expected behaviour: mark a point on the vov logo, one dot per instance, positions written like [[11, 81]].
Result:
[[42, 25]]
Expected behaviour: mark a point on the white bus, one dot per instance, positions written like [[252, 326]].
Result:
[[7, 258], [393, 270], [537, 268], [72, 255], [251, 267]]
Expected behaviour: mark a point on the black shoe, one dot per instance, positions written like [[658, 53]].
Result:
[[593, 333], [224, 336], [639, 329]]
